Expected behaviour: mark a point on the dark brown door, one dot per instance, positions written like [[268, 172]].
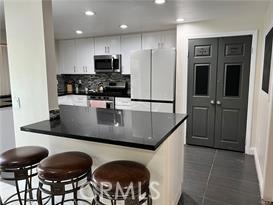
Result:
[[218, 84]]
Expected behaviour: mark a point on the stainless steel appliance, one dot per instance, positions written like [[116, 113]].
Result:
[[107, 63], [116, 87], [101, 102], [112, 118]]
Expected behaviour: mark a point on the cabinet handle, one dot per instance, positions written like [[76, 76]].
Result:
[[158, 45], [218, 102], [105, 49], [108, 49], [74, 69], [212, 102]]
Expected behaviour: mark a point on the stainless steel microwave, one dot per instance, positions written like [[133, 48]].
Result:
[[107, 63]]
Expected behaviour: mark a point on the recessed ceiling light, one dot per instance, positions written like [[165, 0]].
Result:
[[160, 1], [180, 20], [90, 13], [79, 32], [123, 26]]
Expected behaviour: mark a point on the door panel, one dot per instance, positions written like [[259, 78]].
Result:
[[201, 91], [163, 74], [218, 82], [200, 115], [232, 92], [141, 75]]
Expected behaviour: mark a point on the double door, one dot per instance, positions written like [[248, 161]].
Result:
[[218, 86]]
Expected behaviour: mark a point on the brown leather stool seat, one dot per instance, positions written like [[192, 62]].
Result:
[[22, 157], [63, 174], [20, 164], [118, 176], [64, 166]]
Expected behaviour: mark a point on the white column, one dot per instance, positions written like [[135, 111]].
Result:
[[27, 52]]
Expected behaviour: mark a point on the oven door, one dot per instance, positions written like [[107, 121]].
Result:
[[103, 64]]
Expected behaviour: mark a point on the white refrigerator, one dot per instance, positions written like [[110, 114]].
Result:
[[153, 80]]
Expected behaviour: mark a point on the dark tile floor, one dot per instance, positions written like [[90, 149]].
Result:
[[218, 177]]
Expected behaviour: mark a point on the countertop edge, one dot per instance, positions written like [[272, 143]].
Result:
[[106, 141], [171, 132], [94, 139]]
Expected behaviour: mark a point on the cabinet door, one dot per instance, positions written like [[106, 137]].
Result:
[[151, 40], [129, 44], [114, 45], [168, 39], [68, 56], [85, 56], [107, 45], [80, 100], [101, 45]]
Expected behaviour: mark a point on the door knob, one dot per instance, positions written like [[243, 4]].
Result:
[[218, 102], [212, 102]]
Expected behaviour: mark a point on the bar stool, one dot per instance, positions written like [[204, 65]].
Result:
[[20, 164], [62, 174], [121, 181]]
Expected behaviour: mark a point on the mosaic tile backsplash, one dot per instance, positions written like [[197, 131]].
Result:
[[90, 81]]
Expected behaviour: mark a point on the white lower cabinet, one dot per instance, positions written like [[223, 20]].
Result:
[[123, 103], [76, 100], [7, 136]]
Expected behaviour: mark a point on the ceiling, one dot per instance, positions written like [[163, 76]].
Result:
[[139, 15]]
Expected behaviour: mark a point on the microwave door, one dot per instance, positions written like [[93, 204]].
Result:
[[103, 65]]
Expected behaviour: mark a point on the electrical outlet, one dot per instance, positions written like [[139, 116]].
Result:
[[16, 103]]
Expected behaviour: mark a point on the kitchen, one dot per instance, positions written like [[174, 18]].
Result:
[[173, 95], [110, 69]]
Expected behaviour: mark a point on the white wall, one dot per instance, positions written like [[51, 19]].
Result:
[[233, 25], [51, 61], [27, 63], [264, 141]]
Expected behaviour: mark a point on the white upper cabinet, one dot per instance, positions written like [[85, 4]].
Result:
[[169, 39], [155, 40], [76, 56], [129, 44], [67, 56], [107, 45], [85, 56]]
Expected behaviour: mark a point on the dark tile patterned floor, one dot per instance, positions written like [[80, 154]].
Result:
[[218, 177]]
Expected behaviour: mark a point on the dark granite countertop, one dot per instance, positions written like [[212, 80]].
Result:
[[5, 101], [110, 94], [145, 130]]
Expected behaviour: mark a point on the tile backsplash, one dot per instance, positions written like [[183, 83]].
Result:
[[90, 81]]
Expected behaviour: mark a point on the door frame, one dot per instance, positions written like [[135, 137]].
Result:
[[252, 75]]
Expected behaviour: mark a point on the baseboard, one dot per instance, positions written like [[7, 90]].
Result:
[[259, 170]]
